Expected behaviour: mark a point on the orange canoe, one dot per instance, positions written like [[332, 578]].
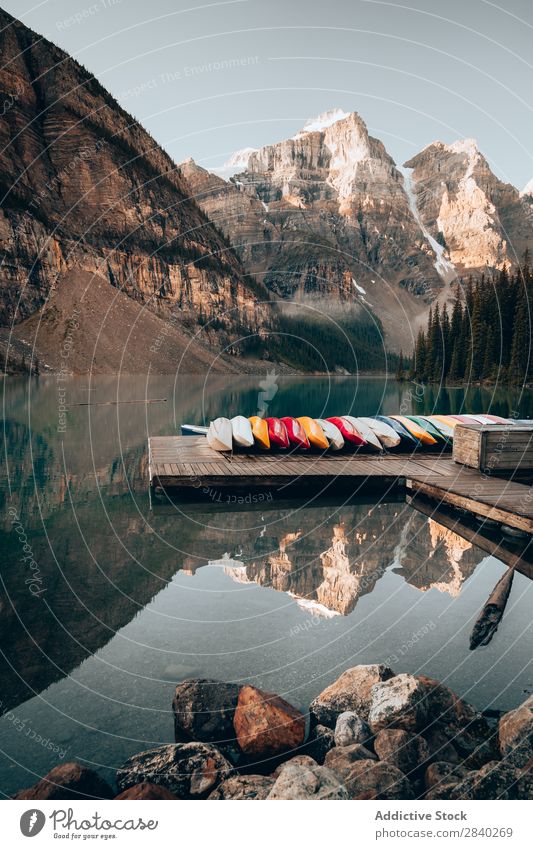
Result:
[[314, 432], [447, 420], [416, 430], [260, 432]]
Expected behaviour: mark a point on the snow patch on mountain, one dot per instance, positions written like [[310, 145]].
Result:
[[326, 119], [445, 269], [527, 191]]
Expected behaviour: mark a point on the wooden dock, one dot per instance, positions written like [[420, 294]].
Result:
[[187, 463]]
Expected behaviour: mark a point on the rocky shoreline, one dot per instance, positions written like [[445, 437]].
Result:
[[371, 734]]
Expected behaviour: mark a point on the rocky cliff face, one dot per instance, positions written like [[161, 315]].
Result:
[[83, 186], [482, 222], [323, 218]]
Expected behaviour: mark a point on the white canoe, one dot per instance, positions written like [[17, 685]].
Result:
[[193, 430], [332, 433], [475, 418], [384, 432], [219, 435], [366, 432], [242, 432]]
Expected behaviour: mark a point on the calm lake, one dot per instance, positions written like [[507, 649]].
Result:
[[108, 600]]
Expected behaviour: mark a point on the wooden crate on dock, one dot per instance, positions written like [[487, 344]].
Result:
[[494, 447]]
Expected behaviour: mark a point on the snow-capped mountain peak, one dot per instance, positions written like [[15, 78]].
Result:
[[326, 119], [240, 159]]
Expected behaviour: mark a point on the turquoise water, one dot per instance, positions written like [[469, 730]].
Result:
[[114, 599]]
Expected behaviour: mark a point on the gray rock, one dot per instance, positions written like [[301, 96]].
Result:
[[244, 787], [400, 702], [515, 734], [319, 743], [204, 710], [298, 781], [189, 770], [350, 728], [369, 779], [351, 691]]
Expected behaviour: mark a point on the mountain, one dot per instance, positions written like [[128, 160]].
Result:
[[327, 218], [84, 188], [482, 221]]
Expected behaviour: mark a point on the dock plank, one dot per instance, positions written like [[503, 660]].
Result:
[[177, 461]]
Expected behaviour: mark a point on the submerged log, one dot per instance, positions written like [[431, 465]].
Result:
[[488, 620]]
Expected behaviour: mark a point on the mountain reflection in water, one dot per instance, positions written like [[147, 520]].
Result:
[[327, 562]]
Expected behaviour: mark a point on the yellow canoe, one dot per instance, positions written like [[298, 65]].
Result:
[[416, 430], [449, 420], [260, 431], [314, 432]]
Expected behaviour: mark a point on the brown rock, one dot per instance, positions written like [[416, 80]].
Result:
[[439, 744], [442, 772], [68, 781], [145, 790], [266, 724], [351, 691], [189, 770], [495, 780], [369, 779], [244, 787], [515, 734], [442, 790], [204, 709], [406, 751], [342, 758]]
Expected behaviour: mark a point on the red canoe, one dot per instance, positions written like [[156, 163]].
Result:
[[348, 430], [277, 433], [297, 434], [496, 419]]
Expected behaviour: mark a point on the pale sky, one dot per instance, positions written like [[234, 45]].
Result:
[[208, 78]]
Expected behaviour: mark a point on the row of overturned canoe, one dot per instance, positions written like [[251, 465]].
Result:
[[373, 433]]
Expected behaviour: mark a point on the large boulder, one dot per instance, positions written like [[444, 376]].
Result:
[[495, 780], [145, 790], [70, 780], [189, 770], [342, 758], [350, 728], [351, 691], [515, 734], [305, 781], [204, 709], [266, 724], [399, 702], [409, 752], [244, 787], [369, 779]]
